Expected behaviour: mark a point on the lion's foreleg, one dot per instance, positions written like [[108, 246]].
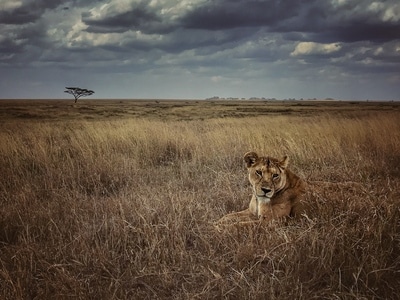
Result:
[[244, 215], [268, 212]]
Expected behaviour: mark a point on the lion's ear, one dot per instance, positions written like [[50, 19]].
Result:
[[250, 158], [284, 162]]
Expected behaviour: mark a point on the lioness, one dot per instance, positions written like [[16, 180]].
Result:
[[277, 192]]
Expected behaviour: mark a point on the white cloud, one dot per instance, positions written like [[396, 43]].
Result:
[[170, 10], [336, 3], [309, 48], [111, 8], [392, 13], [217, 79], [10, 4], [388, 13]]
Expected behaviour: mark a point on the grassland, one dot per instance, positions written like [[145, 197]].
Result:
[[115, 200], [182, 110]]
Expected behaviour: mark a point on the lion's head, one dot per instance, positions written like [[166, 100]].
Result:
[[266, 175]]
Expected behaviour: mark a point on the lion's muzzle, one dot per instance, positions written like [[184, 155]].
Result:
[[267, 192]]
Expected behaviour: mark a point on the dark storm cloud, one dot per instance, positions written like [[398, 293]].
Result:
[[10, 46], [228, 14], [203, 41], [210, 25], [20, 15], [213, 15], [28, 12], [320, 20], [140, 17], [361, 31], [23, 44]]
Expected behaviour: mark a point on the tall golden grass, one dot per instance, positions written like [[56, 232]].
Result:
[[122, 209]]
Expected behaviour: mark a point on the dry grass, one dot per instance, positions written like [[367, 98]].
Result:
[[121, 209]]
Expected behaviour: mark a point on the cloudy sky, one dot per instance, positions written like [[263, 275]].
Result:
[[344, 49]]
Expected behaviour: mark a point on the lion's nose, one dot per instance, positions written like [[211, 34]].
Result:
[[266, 190]]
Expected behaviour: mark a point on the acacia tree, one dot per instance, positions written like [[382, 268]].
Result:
[[78, 92]]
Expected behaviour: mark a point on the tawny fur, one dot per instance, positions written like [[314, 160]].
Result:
[[277, 192]]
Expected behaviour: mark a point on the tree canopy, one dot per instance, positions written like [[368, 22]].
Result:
[[78, 92]]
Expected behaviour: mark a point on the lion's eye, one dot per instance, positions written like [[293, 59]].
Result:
[[259, 172], [275, 176]]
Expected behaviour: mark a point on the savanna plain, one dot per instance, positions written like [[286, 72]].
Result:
[[116, 199]]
